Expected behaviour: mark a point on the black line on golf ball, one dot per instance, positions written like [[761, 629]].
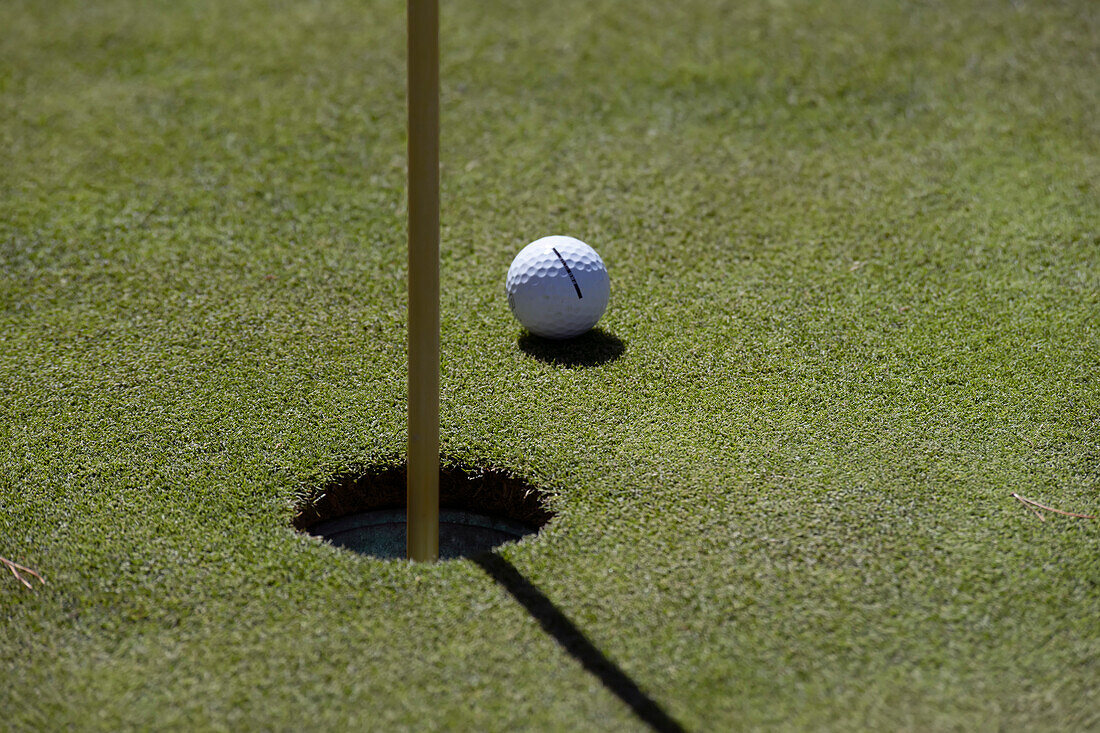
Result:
[[568, 272]]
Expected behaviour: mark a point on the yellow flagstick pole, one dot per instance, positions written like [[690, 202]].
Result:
[[422, 539]]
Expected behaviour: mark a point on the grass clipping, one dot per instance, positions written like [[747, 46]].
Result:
[[18, 570], [1035, 506]]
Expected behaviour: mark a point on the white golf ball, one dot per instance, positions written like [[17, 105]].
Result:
[[558, 287]]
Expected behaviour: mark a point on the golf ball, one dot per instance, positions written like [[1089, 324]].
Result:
[[557, 287]]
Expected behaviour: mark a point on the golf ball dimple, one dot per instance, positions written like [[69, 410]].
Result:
[[558, 287]]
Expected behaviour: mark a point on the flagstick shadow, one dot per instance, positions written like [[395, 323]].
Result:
[[573, 641]]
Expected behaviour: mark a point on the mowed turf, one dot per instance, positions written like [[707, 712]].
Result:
[[855, 261]]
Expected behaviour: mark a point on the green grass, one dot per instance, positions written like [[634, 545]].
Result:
[[855, 261]]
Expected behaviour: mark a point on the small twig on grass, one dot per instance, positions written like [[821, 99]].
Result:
[[15, 567], [1035, 511], [1031, 504]]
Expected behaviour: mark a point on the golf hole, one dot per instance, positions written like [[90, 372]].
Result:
[[479, 510]]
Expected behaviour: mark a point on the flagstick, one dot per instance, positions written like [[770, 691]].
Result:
[[422, 540]]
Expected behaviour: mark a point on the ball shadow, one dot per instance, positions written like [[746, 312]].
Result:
[[590, 349]]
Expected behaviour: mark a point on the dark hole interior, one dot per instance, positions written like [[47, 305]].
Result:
[[480, 509]]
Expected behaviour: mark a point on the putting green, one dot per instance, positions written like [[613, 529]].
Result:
[[853, 251]]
